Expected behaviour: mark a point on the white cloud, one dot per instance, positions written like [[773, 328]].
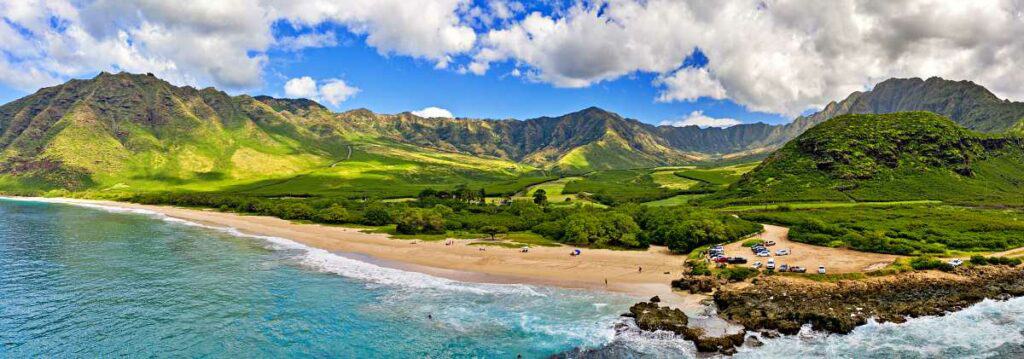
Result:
[[301, 87], [332, 91], [781, 56], [689, 84], [222, 43], [335, 91], [432, 112], [308, 40], [698, 118]]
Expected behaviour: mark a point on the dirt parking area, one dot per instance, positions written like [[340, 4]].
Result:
[[835, 260]]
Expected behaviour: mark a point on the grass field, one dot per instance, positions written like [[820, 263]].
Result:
[[817, 205], [674, 200], [902, 229]]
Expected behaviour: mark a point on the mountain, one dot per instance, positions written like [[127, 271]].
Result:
[[137, 132], [888, 157]]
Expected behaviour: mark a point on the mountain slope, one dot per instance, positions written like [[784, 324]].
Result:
[[889, 157], [138, 132]]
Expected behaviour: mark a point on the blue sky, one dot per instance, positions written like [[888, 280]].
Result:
[[392, 84], [673, 61]]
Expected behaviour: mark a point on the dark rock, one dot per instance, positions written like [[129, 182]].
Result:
[[655, 299], [786, 304], [696, 284], [753, 342], [651, 317]]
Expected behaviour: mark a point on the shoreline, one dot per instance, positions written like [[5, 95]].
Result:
[[544, 266]]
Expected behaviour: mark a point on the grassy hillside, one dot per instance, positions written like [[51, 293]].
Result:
[[892, 157], [137, 133]]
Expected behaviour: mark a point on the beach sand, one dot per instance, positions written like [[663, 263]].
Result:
[[550, 266]]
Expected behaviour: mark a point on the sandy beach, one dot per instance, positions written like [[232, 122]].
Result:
[[552, 266]]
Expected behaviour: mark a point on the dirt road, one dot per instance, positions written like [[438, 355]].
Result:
[[835, 260]]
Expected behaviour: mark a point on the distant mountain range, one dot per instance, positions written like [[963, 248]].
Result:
[[116, 125]]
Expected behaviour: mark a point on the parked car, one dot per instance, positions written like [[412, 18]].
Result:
[[771, 264], [796, 269], [763, 254], [782, 252], [769, 243], [956, 262], [784, 268], [720, 259], [757, 265], [821, 269], [736, 260]]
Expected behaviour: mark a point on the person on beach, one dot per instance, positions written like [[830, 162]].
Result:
[[639, 269]]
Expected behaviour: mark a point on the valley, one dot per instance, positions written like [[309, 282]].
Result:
[[863, 195]]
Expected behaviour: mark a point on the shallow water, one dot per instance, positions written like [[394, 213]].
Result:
[[88, 282]]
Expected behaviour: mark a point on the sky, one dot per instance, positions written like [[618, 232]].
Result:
[[670, 62]]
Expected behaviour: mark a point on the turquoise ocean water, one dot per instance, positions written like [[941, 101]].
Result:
[[100, 282]]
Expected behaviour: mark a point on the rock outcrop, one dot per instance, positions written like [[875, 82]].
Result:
[[786, 304], [652, 317]]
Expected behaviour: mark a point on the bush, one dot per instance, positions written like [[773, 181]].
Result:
[[376, 214], [752, 242], [736, 274], [699, 268], [982, 260], [926, 263], [334, 214], [418, 220]]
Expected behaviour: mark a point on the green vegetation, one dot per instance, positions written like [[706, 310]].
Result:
[[980, 260], [906, 230], [929, 263], [892, 157], [678, 200], [617, 187], [752, 242], [737, 273], [463, 212]]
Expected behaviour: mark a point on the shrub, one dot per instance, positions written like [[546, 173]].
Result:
[[752, 242], [699, 268], [334, 214], [926, 263], [736, 274], [376, 214], [418, 220]]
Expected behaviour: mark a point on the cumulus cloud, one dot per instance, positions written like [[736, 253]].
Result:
[[699, 119], [778, 56], [331, 91], [432, 112], [781, 56], [689, 84], [222, 43]]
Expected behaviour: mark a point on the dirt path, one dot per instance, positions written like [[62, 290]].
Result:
[[835, 260]]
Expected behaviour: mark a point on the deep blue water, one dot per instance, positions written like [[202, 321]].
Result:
[[89, 282]]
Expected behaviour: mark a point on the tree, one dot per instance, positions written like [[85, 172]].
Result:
[[540, 197], [334, 214], [376, 214], [483, 196], [419, 220], [601, 229], [493, 230]]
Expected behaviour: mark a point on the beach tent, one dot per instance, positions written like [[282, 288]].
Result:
[[576, 252]]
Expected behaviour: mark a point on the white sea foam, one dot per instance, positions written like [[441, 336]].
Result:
[[323, 260]]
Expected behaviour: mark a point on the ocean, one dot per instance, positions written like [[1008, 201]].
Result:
[[81, 281]]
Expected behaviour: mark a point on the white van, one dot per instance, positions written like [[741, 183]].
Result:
[[771, 264]]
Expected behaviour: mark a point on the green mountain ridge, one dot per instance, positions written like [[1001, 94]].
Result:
[[888, 157], [137, 131]]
